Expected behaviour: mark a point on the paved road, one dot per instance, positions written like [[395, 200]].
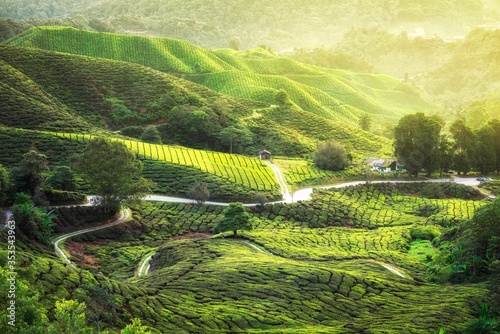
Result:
[[124, 215]]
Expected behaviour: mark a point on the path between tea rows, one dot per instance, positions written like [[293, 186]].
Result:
[[300, 195]]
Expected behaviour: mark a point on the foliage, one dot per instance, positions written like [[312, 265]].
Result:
[[235, 218], [28, 177], [428, 232], [331, 156], [135, 328], [35, 223], [464, 146], [113, 171], [70, 318], [4, 184], [63, 178], [416, 140], [485, 324], [199, 192], [365, 122], [151, 135], [235, 135]]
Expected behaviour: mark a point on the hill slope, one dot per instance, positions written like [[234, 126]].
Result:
[[85, 94], [334, 94]]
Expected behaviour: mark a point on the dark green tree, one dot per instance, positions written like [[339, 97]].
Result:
[[28, 176], [34, 222], [485, 150], [365, 122], [151, 135], [495, 125], [4, 184], [235, 136], [199, 192], [235, 218], [62, 179], [113, 172], [331, 156], [416, 142], [464, 146], [281, 98], [445, 154]]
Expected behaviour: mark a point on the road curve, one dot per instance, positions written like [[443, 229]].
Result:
[[124, 215]]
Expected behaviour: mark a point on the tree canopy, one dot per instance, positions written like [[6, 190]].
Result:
[[235, 218], [331, 156], [113, 171], [416, 142]]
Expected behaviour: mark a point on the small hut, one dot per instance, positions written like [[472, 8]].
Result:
[[264, 155]]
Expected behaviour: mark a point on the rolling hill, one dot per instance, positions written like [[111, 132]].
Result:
[[257, 75]]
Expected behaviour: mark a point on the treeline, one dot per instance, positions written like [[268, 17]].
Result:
[[420, 145]]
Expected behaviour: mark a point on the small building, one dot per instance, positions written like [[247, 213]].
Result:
[[264, 155], [384, 165]]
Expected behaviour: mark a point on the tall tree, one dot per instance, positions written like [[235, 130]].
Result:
[[235, 136], [464, 146], [416, 142], [445, 154], [365, 122], [4, 184], [63, 179], [28, 176], [485, 150], [69, 318], [199, 192], [113, 171], [495, 125], [235, 218]]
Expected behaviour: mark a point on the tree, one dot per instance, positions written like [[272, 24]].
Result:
[[70, 318], [34, 222], [235, 136], [445, 154], [365, 122], [464, 146], [235, 218], [495, 125], [29, 175], [331, 156], [281, 98], [199, 192], [485, 150], [62, 179], [151, 135], [416, 142], [113, 171], [4, 184], [135, 327]]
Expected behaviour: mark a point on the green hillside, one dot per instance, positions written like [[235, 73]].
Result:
[[333, 94], [85, 94]]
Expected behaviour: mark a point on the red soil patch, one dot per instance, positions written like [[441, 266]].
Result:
[[191, 235], [78, 250]]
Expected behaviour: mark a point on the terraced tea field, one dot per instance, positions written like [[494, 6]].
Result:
[[286, 276]]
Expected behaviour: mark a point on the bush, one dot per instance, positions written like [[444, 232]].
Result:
[[134, 131], [63, 197], [429, 232], [433, 190], [331, 156]]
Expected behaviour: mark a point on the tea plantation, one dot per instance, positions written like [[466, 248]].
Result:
[[319, 266]]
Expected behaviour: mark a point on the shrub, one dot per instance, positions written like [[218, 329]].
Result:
[[429, 232], [331, 156], [134, 131]]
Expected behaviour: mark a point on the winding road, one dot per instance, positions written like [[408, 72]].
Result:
[[300, 195]]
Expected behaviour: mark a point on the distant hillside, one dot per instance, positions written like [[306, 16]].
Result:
[[472, 71], [257, 75], [280, 24], [84, 94]]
